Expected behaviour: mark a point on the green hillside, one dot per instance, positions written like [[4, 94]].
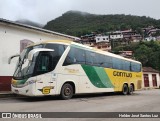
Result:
[[148, 53], [79, 23]]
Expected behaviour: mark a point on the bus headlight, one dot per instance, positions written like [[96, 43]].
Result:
[[29, 82]]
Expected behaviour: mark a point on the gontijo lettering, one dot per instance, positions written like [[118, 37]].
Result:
[[122, 74]]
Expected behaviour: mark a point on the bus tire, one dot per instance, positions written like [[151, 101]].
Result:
[[66, 91], [125, 89], [131, 89]]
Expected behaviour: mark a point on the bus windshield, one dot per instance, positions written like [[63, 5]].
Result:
[[25, 68]]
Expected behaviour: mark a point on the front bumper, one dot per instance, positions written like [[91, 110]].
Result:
[[26, 90]]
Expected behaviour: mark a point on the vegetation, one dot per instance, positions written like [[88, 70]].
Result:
[[148, 53], [79, 23]]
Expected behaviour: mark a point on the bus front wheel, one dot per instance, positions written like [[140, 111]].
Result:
[[66, 91], [125, 89]]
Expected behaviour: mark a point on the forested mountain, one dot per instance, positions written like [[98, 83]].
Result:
[[79, 23]]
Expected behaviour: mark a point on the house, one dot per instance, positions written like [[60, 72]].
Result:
[[14, 37], [153, 31], [131, 35], [98, 41], [151, 78], [102, 39], [126, 54], [136, 37], [126, 35], [150, 38], [158, 38], [88, 38], [116, 35]]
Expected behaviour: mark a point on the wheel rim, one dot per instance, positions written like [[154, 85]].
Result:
[[67, 91]]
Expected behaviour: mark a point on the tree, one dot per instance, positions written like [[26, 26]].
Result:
[[148, 53], [142, 53]]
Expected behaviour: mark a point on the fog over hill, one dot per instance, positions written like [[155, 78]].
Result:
[[78, 23], [28, 22]]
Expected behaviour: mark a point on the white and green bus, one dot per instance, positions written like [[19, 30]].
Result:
[[66, 68]]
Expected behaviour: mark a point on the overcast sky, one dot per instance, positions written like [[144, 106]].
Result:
[[42, 11]]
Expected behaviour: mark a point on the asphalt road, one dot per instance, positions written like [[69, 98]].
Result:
[[140, 101]]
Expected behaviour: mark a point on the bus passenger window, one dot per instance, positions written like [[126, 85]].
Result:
[[135, 67], [75, 56]]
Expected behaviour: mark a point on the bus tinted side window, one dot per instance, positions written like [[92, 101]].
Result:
[[80, 56], [89, 58], [125, 65], [92, 58], [102, 60], [136, 67], [106, 61], [75, 56], [58, 51], [117, 63]]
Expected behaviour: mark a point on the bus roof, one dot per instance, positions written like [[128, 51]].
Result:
[[67, 42]]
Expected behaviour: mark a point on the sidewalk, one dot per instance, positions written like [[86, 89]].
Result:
[[4, 94]]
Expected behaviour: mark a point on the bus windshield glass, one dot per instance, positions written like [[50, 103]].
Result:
[[25, 68], [22, 69]]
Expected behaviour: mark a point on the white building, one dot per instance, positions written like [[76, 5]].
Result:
[[151, 78], [13, 38], [116, 35], [102, 39], [150, 38]]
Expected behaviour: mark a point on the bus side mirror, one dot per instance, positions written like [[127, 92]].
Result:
[[13, 56], [30, 55]]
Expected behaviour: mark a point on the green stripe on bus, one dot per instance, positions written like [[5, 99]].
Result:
[[21, 81], [103, 77], [97, 76]]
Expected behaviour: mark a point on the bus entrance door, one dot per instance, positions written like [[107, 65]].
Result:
[[44, 84]]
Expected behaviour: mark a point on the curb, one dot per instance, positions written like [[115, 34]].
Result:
[[7, 94]]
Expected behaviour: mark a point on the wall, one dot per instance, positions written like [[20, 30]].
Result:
[[150, 79]]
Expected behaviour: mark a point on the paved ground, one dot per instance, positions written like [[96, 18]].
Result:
[[140, 101]]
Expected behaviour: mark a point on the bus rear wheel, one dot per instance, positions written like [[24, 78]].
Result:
[[66, 91], [125, 89], [131, 89]]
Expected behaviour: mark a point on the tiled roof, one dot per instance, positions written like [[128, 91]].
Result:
[[149, 69]]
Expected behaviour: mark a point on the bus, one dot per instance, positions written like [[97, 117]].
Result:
[[67, 68]]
